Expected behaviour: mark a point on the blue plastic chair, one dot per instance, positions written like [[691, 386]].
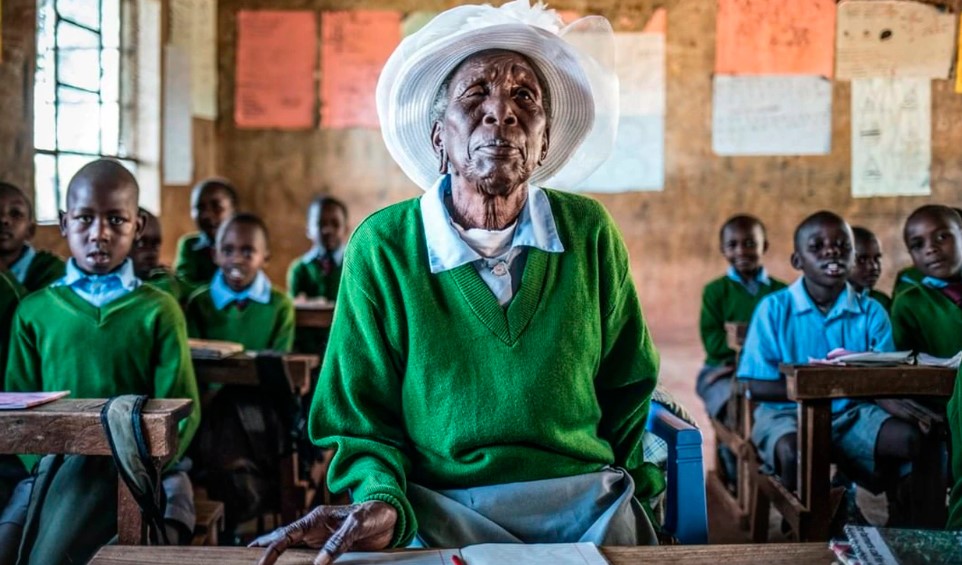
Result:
[[686, 514]]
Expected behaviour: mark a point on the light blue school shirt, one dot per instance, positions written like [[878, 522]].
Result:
[[935, 283], [22, 265], [98, 290], [222, 295], [446, 250], [787, 327], [751, 286]]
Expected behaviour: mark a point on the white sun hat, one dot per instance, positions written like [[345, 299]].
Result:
[[576, 61]]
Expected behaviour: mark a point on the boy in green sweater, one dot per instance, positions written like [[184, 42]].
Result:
[[146, 257], [927, 317], [10, 295], [31, 268], [98, 331], [211, 202], [868, 266], [240, 304]]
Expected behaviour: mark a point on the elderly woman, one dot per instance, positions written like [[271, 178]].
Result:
[[489, 371]]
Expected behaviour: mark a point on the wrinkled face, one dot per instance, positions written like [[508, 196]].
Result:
[[494, 131], [825, 254], [326, 226], [868, 263], [241, 253], [210, 207], [743, 245], [934, 243], [146, 251], [16, 227], [101, 224]]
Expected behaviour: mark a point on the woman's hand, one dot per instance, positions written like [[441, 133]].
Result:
[[335, 529]]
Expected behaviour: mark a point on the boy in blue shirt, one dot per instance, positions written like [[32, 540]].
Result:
[[817, 313]]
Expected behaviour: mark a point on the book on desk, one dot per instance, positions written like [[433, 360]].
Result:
[[24, 400], [213, 349], [893, 546], [487, 554]]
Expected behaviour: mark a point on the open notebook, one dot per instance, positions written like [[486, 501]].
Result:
[[488, 554]]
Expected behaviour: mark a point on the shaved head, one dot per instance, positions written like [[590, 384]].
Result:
[[100, 175]]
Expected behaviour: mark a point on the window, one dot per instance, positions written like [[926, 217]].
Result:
[[84, 92]]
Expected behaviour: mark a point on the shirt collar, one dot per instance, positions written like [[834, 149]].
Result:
[[203, 242], [446, 250], [847, 301], [222, 295], [761, 276], [22, 265], [122, 277], [933, 282], [317, 252]]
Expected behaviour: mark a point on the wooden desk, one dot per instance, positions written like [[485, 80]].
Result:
[[760, 554], [72, 426], [313, 316], [242, 370], [815, 386]]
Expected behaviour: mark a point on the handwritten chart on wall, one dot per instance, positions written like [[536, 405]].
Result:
[[758, 37], [772, 115], [893, 39], [891, 137], [354, 47], [193, 29], [276, 56]]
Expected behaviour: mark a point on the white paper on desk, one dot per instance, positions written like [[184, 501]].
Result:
[[867, 358], [772, 115], [893, 39], [891, 137], [429, 557], [533, 554], [933, 361]]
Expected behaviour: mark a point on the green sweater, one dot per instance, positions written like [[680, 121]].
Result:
[[136, 344], [926, 321], [10, 295], [306, 277], [427, 378], [194, 267], [722, 301], [906, 278], [45, 269], [882, 299], [167, 282], [955, 432], [258, 326]]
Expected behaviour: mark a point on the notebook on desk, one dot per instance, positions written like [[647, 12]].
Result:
[[24, 400], [487, 554], [213, 349]]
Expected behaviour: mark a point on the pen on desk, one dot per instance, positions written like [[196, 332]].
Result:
[[457, 560]]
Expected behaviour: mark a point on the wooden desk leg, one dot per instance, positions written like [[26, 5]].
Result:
[[130, 530], [291, 495], [928, 485], [814, 468]]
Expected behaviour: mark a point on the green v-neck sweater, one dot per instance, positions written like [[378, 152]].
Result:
[[307, 278], [46, 268], [428, 379], [723, 301], [257, 326], [195, 267], [10, 295], [136, 344], [926, 321]]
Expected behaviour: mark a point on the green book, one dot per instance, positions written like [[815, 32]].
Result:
[[891, 546]]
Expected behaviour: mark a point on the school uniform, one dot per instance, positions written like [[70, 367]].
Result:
[[955, 457], [36, 269], [166, 281], [879, 297], [316, 274], [10, 295], [726, 299], [258, 317], [927, 318], [905, 279], [195, 260], [787, 327]]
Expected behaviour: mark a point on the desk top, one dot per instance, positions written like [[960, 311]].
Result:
[[73, 426], [242, 370], [313, 316], [749, 554], [844, 381]]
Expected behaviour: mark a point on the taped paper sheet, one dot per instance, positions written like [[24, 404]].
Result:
[[893, 39], [891, 137], [772, 115], [193, 28], [178, 155]]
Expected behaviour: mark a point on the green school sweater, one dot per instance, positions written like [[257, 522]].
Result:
[[258, 326], [136, 344], [167, 282], [955, 432], [307, 277], [882, 299], [926, 321], [428, 379], [194, 267], [10, 295], [914, 277], [725, 300], [45, 269]]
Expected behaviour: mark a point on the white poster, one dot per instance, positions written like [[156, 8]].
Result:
[[891, 137], [772, 115], [193, 28], [637, 161], [178, 156]]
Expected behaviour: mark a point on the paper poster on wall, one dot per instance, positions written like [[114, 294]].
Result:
[[638, 159], [178, 156], [891, 137], [354, 47], [276, 56], [893, 39], [775, 37], [772, 115], [193, 28]]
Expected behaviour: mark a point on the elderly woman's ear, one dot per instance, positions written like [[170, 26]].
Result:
[[438, 145]]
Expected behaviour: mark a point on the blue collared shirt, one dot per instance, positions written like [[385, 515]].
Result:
[[223, 295], [754, 285], [317, 252], [99, 290], [935, 283], [22, 265], [446, 250], [787, 327]]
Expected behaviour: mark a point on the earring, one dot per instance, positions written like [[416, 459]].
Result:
[[443, 168]]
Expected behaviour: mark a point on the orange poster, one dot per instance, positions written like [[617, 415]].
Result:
[[354, 47], [758, 37], [276, 57]]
